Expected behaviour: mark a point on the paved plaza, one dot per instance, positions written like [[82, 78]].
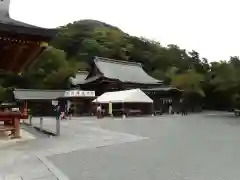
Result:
[[202, 146]]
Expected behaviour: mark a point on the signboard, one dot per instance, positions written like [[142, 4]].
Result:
[[54, 103], [79, 93]]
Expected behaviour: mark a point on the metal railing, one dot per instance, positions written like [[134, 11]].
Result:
[[40, 123]]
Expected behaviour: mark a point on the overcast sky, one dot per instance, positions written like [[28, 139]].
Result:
[[211, 27]]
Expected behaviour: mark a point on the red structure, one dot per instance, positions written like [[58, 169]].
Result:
[[20, 44]]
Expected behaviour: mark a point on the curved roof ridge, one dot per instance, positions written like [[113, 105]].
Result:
[[82, 72], [5, 15], [10, 25], [124, 71], [117, 61], [4, 8]]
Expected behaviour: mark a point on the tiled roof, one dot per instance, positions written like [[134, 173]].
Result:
[[162, 88], [79, 78], [124, 71], [37, 94]]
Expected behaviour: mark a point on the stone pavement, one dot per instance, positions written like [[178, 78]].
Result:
[[27, 168], [5, 140], [27, 160], [202, 146], [166, 147]]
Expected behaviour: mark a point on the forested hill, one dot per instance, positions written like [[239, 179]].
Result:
[[76, 44]]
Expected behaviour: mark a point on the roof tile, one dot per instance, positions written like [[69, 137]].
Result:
[[37, 94], [124, 71], [79, 78]]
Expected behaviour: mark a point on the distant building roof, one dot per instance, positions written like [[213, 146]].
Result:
[[37, 94], [162, 88], [124, 71], [10, 25], [79, 78]]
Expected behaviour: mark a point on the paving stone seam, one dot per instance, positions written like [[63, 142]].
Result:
[[52, 168], [59, 174]]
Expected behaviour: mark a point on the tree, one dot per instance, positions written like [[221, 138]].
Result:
[[2, 93], [77, 43], [190, 81], [170, 74], [59, 79], [51, 60]]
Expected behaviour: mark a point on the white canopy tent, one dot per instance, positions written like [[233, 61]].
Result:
[[126, 96]]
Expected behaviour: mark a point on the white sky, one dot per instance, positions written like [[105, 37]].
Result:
[[211, 27]]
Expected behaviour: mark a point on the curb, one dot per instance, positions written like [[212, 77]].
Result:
[[52, 168]]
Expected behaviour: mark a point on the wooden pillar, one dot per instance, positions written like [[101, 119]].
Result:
[[25, 109], [4, 52], [15, 54]]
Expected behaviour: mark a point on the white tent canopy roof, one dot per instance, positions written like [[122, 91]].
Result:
[[127, 96]]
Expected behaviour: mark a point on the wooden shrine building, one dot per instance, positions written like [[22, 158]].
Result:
[[20, 43], [108, 75], [112, 75]]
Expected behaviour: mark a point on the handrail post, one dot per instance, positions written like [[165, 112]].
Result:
[[30, 120], [58, 126], [41, 123]]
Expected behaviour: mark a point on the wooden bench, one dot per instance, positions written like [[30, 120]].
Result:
[[119, 112], [133, 112], [11, 122], [158, 112], [236, 112], [5, 128]]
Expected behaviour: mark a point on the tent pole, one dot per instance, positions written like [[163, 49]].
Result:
[[152, 109], [25, 108], [123, 111]]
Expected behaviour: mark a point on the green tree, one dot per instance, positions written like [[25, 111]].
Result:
[[77, 43], [59, 79], [190, 81], [51, 60]]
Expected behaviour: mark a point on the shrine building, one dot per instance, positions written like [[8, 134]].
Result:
[[108, 75], [20, 43]]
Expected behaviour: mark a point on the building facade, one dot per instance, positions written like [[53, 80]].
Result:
[[108, 75]]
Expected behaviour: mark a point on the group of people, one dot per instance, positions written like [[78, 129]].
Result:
[[63, 114], [67, 112], [182, 108]]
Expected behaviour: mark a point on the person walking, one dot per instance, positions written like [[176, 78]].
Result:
[[99, 111], [70, 112], [182, 107], [57, 111], [170, 109]]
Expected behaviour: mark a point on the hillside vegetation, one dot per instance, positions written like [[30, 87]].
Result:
[[76, 44]]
